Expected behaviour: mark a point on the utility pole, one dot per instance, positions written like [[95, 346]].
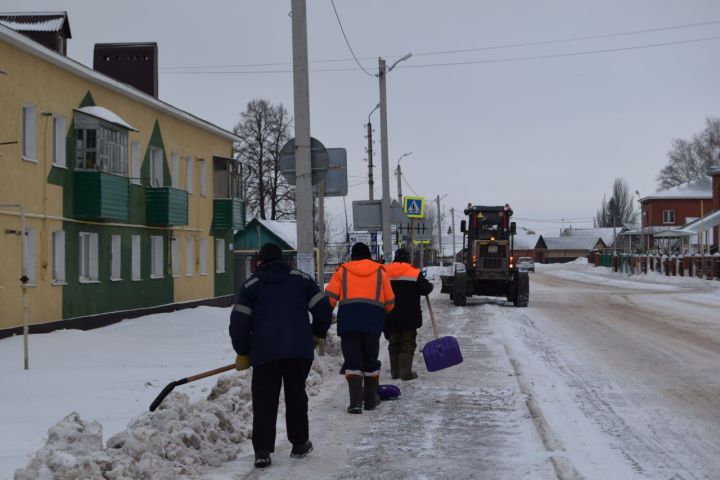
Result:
[[385, 204], [303, 169], [321, 234], [452, 218], [371, 183], [439, 217], [382, 73], [398, 173]]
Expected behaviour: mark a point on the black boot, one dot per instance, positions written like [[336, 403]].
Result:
[[394, 366], [262, 459], [406, 372], [371, 399], [355, 387]]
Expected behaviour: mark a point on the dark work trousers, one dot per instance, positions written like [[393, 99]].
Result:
[[401, 341], [266, 381], [360, 351]]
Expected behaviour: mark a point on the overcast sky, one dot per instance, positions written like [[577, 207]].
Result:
[[546, 135]]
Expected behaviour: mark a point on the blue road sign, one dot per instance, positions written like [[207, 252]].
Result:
[[414, 207]]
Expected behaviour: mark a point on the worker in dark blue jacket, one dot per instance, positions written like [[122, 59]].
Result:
[[272, 332]]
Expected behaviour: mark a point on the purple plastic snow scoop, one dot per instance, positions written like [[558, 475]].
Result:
[[443, 352], [388, 392]]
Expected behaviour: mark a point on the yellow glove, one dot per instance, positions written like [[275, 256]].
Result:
[[319, 342], [242, 362]]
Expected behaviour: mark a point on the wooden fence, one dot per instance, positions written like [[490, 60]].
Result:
[[698, 266]]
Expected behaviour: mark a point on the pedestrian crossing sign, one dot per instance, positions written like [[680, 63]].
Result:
[[414, 207]]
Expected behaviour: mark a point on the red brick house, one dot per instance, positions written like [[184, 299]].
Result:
[[673, 208], [698, 202]]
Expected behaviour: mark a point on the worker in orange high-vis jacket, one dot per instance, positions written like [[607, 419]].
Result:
[[362, 289], [401, 325]]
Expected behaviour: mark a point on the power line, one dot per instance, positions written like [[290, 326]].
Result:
[[347, 42], [408, 185], [567, 54], [472, 62], [456, 51]]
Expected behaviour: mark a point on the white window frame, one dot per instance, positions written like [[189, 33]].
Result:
[[175, 175], [219, 255], [203, 178], [31, 258], [115, 258], [136, 253], [59, 141], [668, 217], [203, 256], [189, 171], [156, 167], [58, 257], [157, 257], [29, 133], [189, 256], [88, 257], [135, 163], [175, 256]]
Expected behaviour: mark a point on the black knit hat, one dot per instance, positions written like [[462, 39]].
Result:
[[359, 251], [269, 252], [402, 255]]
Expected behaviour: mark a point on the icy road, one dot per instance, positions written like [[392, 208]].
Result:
[[602, 377]]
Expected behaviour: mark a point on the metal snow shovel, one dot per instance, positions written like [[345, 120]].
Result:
[[443, 352], [170, 386]]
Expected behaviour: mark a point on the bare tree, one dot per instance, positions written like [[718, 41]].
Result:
[[690, 160], [263, 129], [282, 194], [620, 209]]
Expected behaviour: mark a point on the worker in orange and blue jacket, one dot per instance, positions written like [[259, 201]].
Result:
[[362, 289], [401, 325]]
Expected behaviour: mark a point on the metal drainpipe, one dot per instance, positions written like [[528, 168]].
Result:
[[23, 280]]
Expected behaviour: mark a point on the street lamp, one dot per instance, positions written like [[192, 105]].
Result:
[[398, 173], [385, 204]]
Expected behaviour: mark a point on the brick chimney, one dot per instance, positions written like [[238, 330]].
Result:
[[133, 63]]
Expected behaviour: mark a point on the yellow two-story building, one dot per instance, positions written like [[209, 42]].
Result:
[[113, 203]]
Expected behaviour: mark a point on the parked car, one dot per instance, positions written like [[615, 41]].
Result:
[[526, 264]]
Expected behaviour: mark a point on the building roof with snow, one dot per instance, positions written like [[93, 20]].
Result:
[[37, 22], [104, 114], [696, 189], [574, 243], [524, 241], [286, 230], [607, 234], [259, 231]]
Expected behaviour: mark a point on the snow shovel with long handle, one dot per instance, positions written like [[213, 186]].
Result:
[[443, 352], [170, 386]]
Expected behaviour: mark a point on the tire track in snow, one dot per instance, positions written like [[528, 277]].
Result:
[[637, 447]]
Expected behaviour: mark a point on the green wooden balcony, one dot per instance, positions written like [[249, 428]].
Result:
[[166, 206], [100, 195], [229, 214]]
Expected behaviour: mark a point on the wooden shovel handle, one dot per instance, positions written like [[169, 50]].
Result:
[[209, 373], [170, 386], [432, 317]]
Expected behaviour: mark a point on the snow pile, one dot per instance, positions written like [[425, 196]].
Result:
[[179, 439], [578, 261], [433, 273]]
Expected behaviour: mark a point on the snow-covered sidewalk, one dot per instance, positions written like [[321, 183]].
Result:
[[470, 421]]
